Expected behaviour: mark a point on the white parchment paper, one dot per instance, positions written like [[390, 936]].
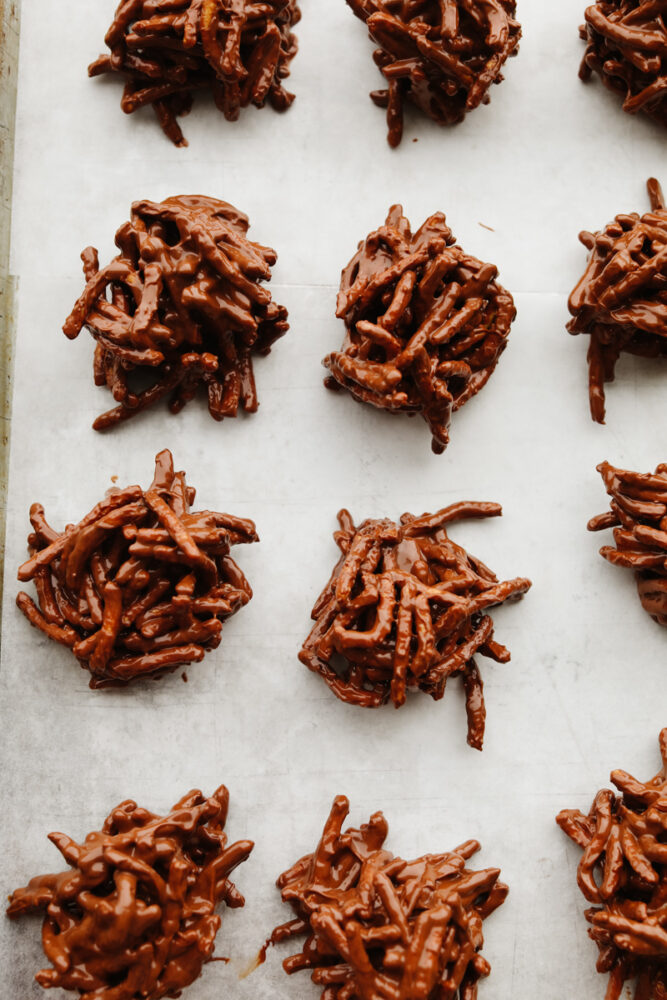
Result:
[[585, 690]]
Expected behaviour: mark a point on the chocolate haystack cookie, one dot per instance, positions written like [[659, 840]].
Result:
[[426, 323], [134, 916], [638, 516], [441, 55], [621, 300], [406, 608], [166, 50], [142, 584], [179, 310], [623, 870], [381, 927], [626, 45]]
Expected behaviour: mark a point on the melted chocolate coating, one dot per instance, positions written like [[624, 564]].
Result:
[[134, 916], [425, 323], [186, 309], [623, 870], [380, 928], [239, 50], [626, 45], [141, 585], [638, 516], [405, 608], [441, 55], [621, 300]]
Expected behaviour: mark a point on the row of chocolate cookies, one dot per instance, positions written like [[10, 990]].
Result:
[[142, 585], [182, 308], [442, 56], [134, 916]]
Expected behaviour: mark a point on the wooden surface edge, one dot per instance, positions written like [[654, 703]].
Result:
[[9, 48]]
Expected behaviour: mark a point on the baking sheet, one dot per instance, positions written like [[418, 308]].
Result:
[[585, 689]]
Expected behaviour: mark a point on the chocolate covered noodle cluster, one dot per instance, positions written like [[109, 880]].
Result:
[[407, 608], [621, 300], [166, 50], [180, 308], [134, 916], [378, 926], [142, 584], [623, 871], [638, 516], [441, 55], [426, 323], [626, 45]]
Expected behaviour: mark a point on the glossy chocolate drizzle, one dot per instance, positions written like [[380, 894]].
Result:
[[134, 916], [626, 45], [621, 300], [638, 517], [381, 928], [425, 323], [181, 307], [238, 50], [142, 584], [623, 871], [441, 55], [405, 607]]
